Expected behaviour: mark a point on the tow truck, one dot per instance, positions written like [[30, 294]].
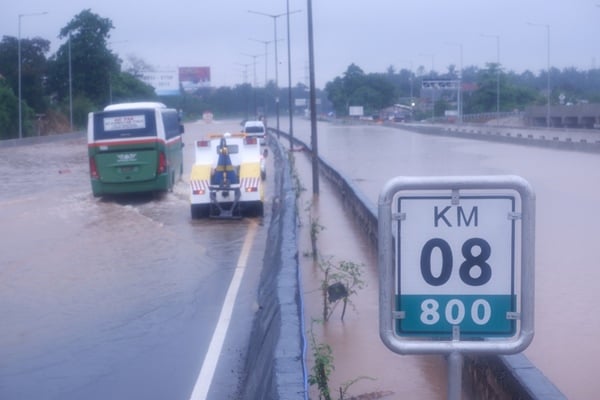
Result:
[[226, 180]]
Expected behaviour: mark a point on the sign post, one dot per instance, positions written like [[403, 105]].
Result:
[[456, 267]]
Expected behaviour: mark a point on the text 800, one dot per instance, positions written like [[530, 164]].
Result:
[[454, 312]]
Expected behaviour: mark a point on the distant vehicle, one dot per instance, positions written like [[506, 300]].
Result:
[[226, 178], [134, 147], [255, 128]]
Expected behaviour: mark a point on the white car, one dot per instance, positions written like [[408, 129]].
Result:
[[255, 129]]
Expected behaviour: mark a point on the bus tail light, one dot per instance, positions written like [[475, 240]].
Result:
[[162, 163], [251, 140], [94, 169]]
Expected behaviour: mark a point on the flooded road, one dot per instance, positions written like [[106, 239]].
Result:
[[116, 297], [567, 227]]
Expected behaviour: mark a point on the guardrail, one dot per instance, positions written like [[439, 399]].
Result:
[[500, 377], [276, 353], [557, 139], [41, 139]]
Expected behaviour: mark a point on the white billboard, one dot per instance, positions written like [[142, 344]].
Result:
[[165, 82], [355, 111]]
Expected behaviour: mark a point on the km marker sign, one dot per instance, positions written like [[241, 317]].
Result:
[[456, 264]]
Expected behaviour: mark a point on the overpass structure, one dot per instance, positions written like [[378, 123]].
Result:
[[563, 116]]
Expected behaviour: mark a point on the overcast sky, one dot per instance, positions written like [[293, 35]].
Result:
[[373, 34]]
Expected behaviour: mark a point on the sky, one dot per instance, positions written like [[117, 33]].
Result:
[[229, 36]]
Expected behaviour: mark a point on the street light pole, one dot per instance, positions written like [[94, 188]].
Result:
[[245, 82], [19, 69], [289, 54], [432, 91], [497, 37], [275, 16], [71, 88], [547, 26], [254, 72], [459, 89], [266, 43], [411, 78], [313, 103]]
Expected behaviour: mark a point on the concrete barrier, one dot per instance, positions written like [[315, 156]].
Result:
[[41, 139], [529, 140], [276, 358]]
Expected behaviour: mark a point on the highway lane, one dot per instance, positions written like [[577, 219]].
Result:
[[568, 225], [120, 297]]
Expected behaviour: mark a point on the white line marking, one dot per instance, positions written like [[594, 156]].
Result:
[[216, 344]]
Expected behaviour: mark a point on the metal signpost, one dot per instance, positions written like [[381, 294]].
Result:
[[456, 267]]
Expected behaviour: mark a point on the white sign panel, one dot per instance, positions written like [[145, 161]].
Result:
[[164, 82], [456, 265], [355, 111], [125, 122]]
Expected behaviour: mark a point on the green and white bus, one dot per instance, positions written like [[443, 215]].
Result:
[[134, 147]]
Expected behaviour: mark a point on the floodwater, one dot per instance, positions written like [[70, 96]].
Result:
[[358, 352], [567, 325], [113, 297]]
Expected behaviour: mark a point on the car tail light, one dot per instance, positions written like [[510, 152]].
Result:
[[202, 143], [250, 140], [94, 169], [162, 163]]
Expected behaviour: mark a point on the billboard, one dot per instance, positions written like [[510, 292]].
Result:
[[194, 78], [165, 82], [356, 111]]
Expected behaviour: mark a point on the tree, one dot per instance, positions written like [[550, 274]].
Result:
[[9, 123], [126, 87], [33, 68], [136, 66], [372, 91], [92, 63]]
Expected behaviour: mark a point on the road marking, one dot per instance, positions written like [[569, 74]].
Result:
[[216, 344]]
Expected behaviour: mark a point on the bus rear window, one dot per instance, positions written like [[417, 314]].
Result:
[[124, 124]]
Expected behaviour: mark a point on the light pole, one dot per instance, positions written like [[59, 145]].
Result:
[[19, 57], [110, 74], [459, 89], [289, 54], [313, 102], [254, 84], [245, 82], [411, 78], [71, 88], [432, 91], [497, 37], [275, 16], [266, 43], [547, 26]]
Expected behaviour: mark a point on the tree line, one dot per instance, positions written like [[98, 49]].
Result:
[[479, 89], [85, 75]]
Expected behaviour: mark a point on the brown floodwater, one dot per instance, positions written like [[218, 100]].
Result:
[[567, 191]]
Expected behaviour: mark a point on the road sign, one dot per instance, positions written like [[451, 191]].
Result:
[[456, 264]]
